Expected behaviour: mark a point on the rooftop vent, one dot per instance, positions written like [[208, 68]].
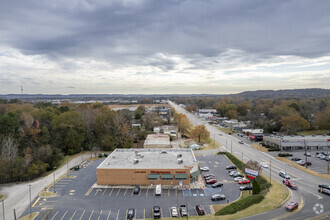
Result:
[[180, 161], [179, 155], [135, 161], [163, 152]]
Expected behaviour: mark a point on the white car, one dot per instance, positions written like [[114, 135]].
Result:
[[204, 169], [241, 142], [263, 165], [236, 179], [174, 211]]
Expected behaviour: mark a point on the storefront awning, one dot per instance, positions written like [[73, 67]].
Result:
[[167, 176], [180, 176], [153, 176], [195, 174]]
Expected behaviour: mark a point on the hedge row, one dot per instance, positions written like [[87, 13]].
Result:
[[285, 155], [239, 164], [273, 149], [240, 205]]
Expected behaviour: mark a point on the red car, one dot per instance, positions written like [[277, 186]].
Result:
[[211, 181], [290, 184], [291, 206], [243, 181], [208, 175]]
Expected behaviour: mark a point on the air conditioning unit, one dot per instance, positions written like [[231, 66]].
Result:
[[135, 161], [180, 161], [179, 155]]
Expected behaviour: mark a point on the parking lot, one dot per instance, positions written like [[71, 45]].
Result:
[[78, 200], [318, 165]]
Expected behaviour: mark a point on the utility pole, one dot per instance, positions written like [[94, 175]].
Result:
[[30, 201], [3, 209]]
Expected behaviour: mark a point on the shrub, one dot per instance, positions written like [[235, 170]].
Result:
[[285, 155], [240, 205], [255, 187], [105, 154], [273, 149], [239, 164], [100, 155]]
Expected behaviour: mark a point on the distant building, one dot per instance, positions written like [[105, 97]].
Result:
[[206, 112], [254, 134], [157, 141], [166, 129], [312, 142]]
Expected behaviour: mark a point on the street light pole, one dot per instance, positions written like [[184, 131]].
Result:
[[30, 200]]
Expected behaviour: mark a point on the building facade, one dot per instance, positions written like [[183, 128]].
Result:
[[148, 167]]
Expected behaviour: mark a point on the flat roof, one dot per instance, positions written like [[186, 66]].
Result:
[[157, 139], [299, 137], [149, 159]]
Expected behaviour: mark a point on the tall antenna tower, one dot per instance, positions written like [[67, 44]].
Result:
[[22, 90]]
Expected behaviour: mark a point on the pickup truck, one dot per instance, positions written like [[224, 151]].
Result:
[[183, 210]]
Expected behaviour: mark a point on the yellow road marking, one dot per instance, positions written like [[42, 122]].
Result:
[[82, 215], [169, 209], [169, 192], [109, 215], [64, 215], [35, 202], [104, 191], [117, 214], [96, 191], [73, 214], [139, 192], [118, 191], [89, 191], [133, 191], [147, 192], [54, 216], [100, 215], [111, 191], [90, 217], [161, 213], [125, 192]]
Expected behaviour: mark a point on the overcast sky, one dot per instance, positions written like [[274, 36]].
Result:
[[163, 46]]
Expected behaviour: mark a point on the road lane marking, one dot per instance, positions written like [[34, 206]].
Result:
[[118, 191], [104, 191], [73, 215], [96, 191], [111, 191], [54, 215], [161, 213], [147, 192], [109, 215], [35, 202], [169, 192], [90, 217], [125, 192], [100, 215], [132, 192], [144, 213], [82, 215], [64, 215], [117, 214]]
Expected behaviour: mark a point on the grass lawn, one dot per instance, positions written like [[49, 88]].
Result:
[[317, 132], [33, 216], [294, 164], [2, 197], [259, 147]]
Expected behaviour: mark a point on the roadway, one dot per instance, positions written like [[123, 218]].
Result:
[[307, 192]]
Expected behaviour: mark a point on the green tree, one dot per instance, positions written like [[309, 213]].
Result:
[[294, 122], [200, 133], [322, 119]]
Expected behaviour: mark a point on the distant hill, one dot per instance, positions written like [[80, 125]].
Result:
[[292, 93]]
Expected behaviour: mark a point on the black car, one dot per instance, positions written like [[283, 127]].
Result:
[[245, 188], [217, 197], [136, 190], [200, 210], [231, 167], [217, 184], [237, 175], [156, 212], [295, 158], [130, 214]]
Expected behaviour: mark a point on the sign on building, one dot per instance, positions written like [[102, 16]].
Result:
[[252, 172]]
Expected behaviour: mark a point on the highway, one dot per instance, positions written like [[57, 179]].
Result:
[[307, 192]]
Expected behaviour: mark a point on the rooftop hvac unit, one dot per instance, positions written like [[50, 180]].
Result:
[[135, 161], [179, 155], [180, 161], [163, 152]]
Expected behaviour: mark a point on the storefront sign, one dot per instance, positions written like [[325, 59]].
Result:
[[252, 172], [160, 171]]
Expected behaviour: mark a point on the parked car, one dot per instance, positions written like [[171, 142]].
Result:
[[156, 212], [245, 187], [233, 173], [295, 158], [291, 206], [174, 212], [183, 210], [236, 179], [211, 181], [204, 169], [217, 197], [231, 167], [243, 181], [307, 154], [241, 142], [284, 175], [217, 184], [207, 175], [136, 190], [237, 175], [130, 214], [289, 184], [322, 156], [263, 165], [303, 163], [200, 210]]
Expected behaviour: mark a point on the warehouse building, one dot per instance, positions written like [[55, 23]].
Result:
[[148, 167], [311, 142]]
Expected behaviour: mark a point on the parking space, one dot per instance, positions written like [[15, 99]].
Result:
[[76, 199]]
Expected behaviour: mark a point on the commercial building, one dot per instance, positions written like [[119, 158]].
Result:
[[166, 129], [311, 142], [148, 167], [157, 141]]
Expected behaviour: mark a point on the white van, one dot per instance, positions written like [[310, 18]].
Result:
[[158, 190]]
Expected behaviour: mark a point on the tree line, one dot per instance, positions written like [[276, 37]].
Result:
[[35, 138]]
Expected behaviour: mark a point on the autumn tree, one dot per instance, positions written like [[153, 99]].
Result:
[[200, 133], [293, 123], [322, 119]]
